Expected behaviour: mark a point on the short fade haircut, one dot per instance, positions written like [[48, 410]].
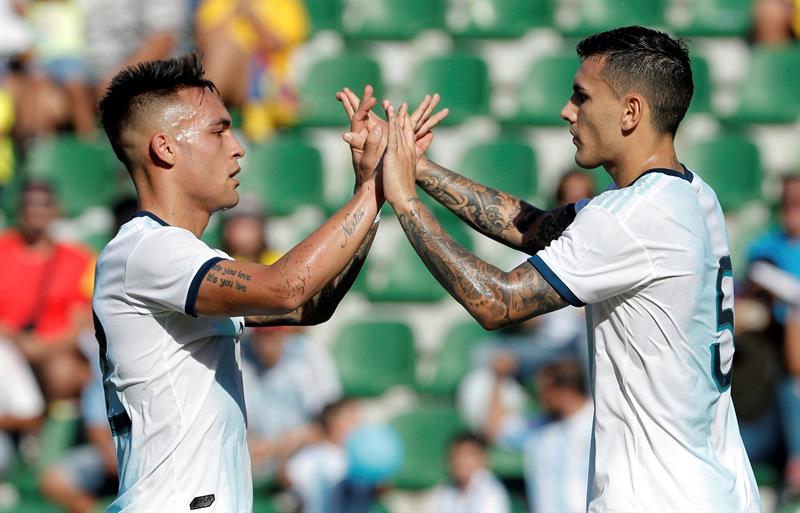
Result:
[[468, 438], [650, 62], [141, 85]]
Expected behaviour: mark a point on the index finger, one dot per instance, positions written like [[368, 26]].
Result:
[[348, 107]]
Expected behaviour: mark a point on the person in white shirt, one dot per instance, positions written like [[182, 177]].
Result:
[[650, 260], [169, 310], [556, 453], [472, 487], [22, 406]]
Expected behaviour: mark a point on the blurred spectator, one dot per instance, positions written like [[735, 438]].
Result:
[[87, 472], [45, 294], [288, 380], [317, 474], [777, 22], [472, 486], [53, 87], [490, 397], [573, 186], [21, 404], [557, 451], [244, 232], [247, 46], [120, 33], [775, 272]]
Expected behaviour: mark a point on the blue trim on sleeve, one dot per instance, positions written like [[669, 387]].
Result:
[[194, 287], [554, 281]]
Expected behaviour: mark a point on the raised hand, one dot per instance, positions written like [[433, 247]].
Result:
[[423, 120], [370, 137], [400, 161]]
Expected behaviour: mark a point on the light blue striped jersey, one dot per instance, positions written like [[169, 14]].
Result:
[[651, 262], [173, 383]]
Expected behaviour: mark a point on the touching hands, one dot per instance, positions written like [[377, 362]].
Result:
[[400, 161], [363, 123]]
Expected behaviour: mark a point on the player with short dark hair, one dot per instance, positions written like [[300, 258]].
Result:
[[650, 261], [169, 310]]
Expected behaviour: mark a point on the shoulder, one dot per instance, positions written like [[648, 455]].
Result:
[[10, 239]]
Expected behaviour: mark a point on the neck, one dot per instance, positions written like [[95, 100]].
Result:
[[166, 201], [642, 157], [37, 241]]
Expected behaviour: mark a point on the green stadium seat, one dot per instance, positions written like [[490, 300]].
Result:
[[461, 79], [373, 356], [426, 433], [505, 165], [407, 279], [501, 19], [701, 100], [593, 16], [716, 18], [324, 14], [506, 463], [453, 360], [391, 19], [84, 174], [285, 173], [545, 90], [318, 104], [769, 93], [730, 164]]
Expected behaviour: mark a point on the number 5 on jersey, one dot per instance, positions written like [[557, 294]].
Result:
[[724, 323]]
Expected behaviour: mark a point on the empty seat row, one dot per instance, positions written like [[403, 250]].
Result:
[[462, 79], [506, 19]]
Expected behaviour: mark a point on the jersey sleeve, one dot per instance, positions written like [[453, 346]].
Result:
[[167, 267], [596, 258]]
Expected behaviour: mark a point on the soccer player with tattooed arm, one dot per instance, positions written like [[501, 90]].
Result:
[[649, 260], [169, 310]]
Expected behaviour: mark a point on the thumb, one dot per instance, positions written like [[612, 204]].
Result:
[[356, 140], [373, 143]]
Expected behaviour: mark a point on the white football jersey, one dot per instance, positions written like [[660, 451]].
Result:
[[173, 383], [651, 262]]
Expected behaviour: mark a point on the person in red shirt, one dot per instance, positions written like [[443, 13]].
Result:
[[45, 294]]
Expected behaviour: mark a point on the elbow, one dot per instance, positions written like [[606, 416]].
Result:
[[488, 321]]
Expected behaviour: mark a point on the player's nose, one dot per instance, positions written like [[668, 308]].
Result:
[[238, 149], [569, 112]]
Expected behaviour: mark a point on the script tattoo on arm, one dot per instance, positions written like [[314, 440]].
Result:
[[228, 278], [320, 308], [495, 298], [350, 224], [498, 215]]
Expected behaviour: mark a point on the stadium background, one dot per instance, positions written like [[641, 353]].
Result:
[[504, 68]]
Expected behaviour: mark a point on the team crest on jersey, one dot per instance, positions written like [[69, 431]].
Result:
[[203, 501]]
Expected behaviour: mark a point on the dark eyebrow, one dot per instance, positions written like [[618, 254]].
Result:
[[578, 89], [224, 122]]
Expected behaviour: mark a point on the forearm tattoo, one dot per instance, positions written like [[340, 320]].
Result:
[[494, 297], [494, 213], [351, 222], [320, 308]]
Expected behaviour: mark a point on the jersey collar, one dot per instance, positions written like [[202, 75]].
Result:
[[145, 213], [686, 175]]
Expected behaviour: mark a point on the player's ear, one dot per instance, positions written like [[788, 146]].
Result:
[[162, 149], [633, 110]]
